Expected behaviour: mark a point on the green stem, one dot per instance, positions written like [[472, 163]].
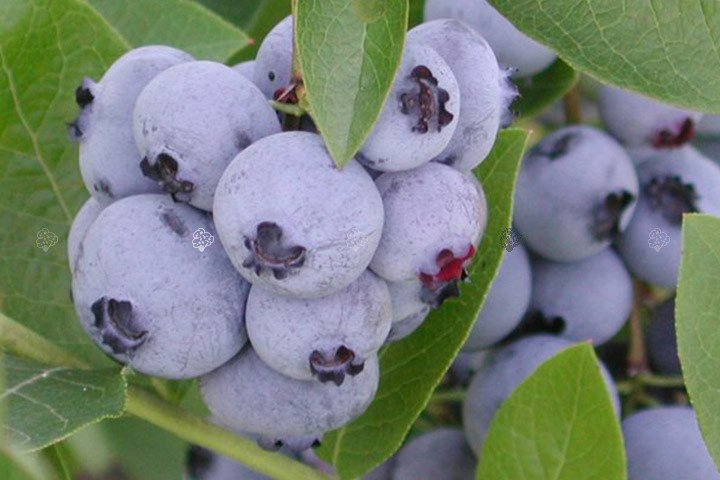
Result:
[[288, 108], [196, 430], [56, 458], [18, 339], [448, 396]]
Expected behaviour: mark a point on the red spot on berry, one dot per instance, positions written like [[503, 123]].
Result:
[[669, 139], [452, 269]]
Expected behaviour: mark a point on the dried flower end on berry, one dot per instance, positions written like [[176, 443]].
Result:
[[270, 253], [672, 197], [427, 100], [334, 366]]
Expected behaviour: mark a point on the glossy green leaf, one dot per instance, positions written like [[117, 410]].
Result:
[[697, 310], [46, 48], [349, 51], [46, 404], [559, 424], [542, 90], [412, 368], [179, 23], [668, 49], [416, 12], [254, 17]]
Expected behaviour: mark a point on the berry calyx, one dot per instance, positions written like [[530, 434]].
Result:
[[443, 284], [672, 197], [117, 325], [667, 138], [606, 222], [427, 100], [164, 171], [269, 252], [334, 366]]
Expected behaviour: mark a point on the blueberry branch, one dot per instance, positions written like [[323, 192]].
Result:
[[20, 340], [572, 102]]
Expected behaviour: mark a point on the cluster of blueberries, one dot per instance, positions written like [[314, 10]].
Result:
[[315, 268]]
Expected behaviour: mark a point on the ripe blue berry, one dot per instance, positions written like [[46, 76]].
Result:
[[434, 219], [109, 158], [82, 221], [671, 185], [506, 302], [576, 192], [441, 453], [485, 91], [151, 300], [513, 48], [662, 340], [292, 222], [247, 395], [273, 63], [664, 443], [420, 114], [191, 120], [325, 338], [588, 299], [637, 120]]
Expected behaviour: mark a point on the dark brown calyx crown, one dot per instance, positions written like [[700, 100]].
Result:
[[270, 252], [426, 100]]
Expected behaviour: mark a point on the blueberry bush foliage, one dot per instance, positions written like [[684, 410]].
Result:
[[65, 408]]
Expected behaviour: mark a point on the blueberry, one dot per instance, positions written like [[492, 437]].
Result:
[[485, 91], [434, 219], [151, 300], [588, 299], [662, 340], [512, 47], [204, 464], [439, 454], [82, 221], [247, 395], [292, 222], [325, 338], [273, 62], [671, 185], [576, 192], [408, 308], [639, 120], [109, 157], [246, 69], [191, 120], [420, 114], [666, 443], [501, 373], [506, 302]]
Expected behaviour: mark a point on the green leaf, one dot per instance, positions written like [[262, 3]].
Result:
[[144, 450], [417, 8], [179, 23], [255, 17], [413, 367], [668, 49], [349, 51], [47, 404], [560, 423], [46, 47], [543, 89], [697, 309]]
